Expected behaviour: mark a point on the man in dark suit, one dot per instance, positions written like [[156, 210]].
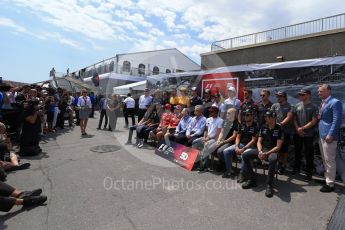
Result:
[[331, 111]]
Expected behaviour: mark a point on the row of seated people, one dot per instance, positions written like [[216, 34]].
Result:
[[213, 135]]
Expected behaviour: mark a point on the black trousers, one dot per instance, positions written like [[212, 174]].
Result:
[[141, 131], [77, 117], [307, 143], [60, 119], [92, 111], [129, 113], [247, 169], [102, 115], [183, 140], [130, 132], [141, 113], [6, 202]]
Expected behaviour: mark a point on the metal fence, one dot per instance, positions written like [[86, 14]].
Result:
[[296, 30]]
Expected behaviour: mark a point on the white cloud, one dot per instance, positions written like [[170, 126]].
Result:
[[146, 45], [119, 3], [170, 44], [63, 40], [194, 51], [10, 23], [18, 29], [156, 32], [182, 36], [69, 42], [190, 25]]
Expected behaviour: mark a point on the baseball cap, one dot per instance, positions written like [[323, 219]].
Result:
[[231, 88], [183, 89], [304, 91], [194, 88], [248, 111], [167, 106], [281, 93]]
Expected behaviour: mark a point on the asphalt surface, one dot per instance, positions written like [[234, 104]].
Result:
[[131, 188]]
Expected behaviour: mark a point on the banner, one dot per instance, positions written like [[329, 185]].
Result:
[[182, 155]]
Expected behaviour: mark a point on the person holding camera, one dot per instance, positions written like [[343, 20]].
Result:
[[84, 107], [30, 137]]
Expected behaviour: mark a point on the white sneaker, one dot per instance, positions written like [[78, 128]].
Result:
[[141, 145]]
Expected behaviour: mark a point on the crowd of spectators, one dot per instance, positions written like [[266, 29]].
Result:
[[219, 126]]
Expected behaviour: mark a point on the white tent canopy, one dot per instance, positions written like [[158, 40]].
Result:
[[125, 89]]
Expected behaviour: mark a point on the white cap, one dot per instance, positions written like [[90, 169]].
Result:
[[232, 89]]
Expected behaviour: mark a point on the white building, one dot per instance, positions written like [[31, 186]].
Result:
[[142, 64], [127, 68], [155, 62]]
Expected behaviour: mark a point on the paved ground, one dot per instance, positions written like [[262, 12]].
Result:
[[135, 189]]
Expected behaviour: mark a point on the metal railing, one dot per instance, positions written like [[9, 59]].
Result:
[[296, 30]]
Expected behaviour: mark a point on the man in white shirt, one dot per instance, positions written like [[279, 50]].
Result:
[[129, 109], [144, 101], [232, 101], [214, 125]]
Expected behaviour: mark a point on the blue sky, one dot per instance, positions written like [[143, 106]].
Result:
[[39, 34]]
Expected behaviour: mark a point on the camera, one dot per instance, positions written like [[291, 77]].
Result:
[[33, 105]]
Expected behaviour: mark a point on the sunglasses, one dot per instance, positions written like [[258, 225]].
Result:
[[301, 95], [262, 95]]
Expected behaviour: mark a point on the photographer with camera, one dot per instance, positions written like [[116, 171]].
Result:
[[30, 136]]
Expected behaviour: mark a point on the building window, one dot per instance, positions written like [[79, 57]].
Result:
[[141, 69], [106, 68], [126, 66], [111, 66], [100, 69], [168, 71], [155, 70]]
